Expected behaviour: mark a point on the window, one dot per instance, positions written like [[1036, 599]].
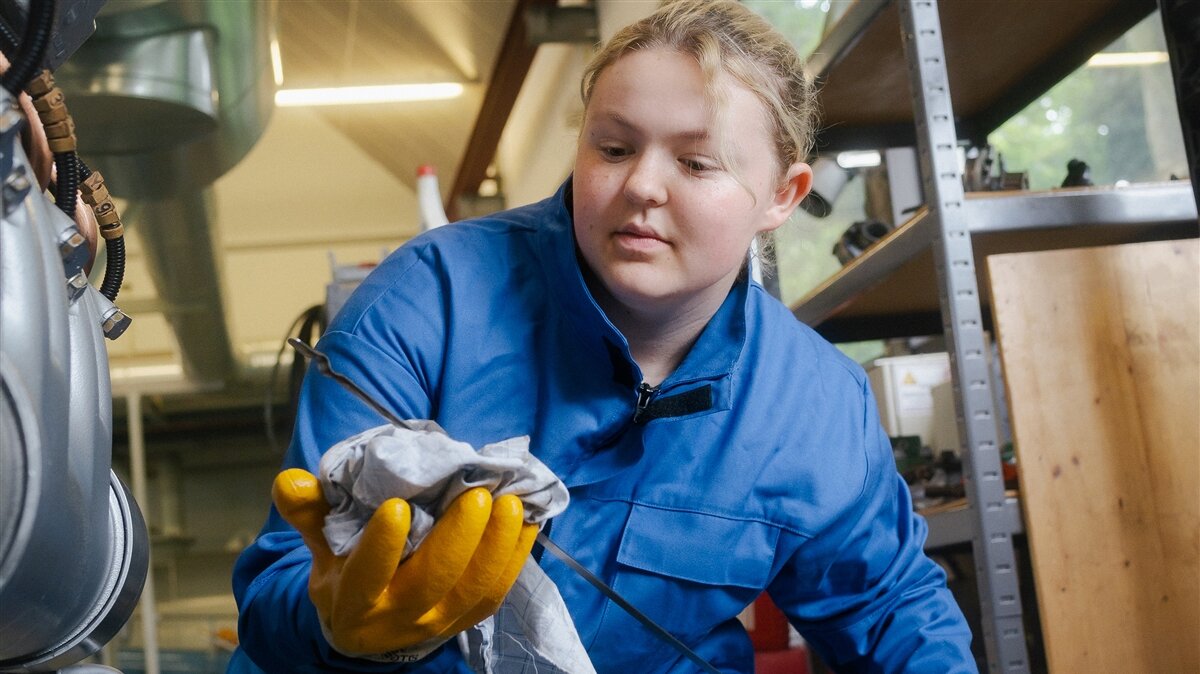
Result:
[[1117, 114]]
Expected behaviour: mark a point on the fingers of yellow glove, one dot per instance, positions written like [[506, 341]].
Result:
[[491, 599], [372, 563], [513, 568], [298, 497], [491, 557], [425, 577]]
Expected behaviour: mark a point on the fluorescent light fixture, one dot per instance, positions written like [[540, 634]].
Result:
[[152, 371], [387, 93], [858, 159], [1127, 58]]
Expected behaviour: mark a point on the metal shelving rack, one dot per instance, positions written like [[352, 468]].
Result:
[[890, 290]]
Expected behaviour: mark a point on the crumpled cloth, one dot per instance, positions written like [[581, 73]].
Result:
[[532, 630]]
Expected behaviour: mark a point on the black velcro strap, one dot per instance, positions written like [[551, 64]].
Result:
[[682, 404]]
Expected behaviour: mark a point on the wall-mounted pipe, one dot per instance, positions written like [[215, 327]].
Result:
[[137, 469]]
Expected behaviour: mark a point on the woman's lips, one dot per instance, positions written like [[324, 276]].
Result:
[[639, 240]]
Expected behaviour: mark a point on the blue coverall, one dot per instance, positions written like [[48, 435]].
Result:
[[759, 464]]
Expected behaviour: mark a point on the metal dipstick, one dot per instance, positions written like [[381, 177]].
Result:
[[323, 366]]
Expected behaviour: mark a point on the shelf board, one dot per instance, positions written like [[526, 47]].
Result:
[[863, 75], [950, 526], [891, 289]]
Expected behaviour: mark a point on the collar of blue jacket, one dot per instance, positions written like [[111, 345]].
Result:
[[700, 385]]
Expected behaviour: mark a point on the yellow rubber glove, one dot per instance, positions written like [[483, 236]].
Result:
[[371, 604]]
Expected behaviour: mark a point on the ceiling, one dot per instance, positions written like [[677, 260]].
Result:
[[365, 42], [336, 184]]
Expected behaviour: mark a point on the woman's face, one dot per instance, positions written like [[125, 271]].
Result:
[[660, 221]]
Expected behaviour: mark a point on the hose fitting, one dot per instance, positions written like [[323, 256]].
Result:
[[96, 195], [51, 106]]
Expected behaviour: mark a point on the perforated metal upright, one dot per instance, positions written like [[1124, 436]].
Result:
[[1000, 599]]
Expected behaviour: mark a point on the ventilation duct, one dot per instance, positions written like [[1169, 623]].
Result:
[[168, 96]]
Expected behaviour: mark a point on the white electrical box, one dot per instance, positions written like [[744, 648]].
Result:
[[903, 388]]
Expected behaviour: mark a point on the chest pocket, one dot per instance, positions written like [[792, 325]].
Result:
[[689, 572]]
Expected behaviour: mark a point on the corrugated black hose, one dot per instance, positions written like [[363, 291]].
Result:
[[32, 51], [8, 40], [114, 269], [67, 175]]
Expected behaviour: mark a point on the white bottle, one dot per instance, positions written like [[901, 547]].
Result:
[[429, 199]]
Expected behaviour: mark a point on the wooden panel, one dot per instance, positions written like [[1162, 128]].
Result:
[[1101, 355]]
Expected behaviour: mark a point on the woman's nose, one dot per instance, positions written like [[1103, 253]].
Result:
[[645, 185]]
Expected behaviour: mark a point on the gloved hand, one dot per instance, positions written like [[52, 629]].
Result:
[[370, 603]]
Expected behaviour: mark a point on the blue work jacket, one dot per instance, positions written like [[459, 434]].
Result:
[[759, 464]]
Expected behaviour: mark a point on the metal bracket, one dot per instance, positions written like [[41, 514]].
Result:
[[1000, 599]]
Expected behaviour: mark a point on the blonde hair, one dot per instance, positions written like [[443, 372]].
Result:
[[724, 36]]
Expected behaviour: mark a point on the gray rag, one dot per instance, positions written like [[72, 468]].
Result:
[[423, 465]]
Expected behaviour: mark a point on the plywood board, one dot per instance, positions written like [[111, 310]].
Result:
[[1101, 355]]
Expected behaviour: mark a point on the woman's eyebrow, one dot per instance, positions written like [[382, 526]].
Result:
[[617, 118]]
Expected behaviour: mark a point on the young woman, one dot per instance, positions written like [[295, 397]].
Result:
[[714, 448]]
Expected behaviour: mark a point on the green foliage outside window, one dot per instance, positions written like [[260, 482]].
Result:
[[1122, 121]]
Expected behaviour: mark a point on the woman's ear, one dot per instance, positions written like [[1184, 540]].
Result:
[[795, 186]]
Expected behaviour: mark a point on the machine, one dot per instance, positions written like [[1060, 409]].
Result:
[[74, 548]]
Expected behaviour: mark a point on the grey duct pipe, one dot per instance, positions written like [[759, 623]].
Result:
[[168, 96], [177, 236]]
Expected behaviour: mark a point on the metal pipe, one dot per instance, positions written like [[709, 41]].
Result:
[[137, 469]]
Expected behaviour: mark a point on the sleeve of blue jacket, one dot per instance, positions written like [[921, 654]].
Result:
[[278, 625], [862, 592]]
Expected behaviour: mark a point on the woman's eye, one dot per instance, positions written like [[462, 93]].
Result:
[[695, 165], [613, 151]]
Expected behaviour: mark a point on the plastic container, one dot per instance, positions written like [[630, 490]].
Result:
[[429, 199]]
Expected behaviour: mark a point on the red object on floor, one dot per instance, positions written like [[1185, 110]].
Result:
[[790, 661], [770, 639], [770, 632]]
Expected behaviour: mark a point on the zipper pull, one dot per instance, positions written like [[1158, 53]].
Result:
[[645, 392]]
